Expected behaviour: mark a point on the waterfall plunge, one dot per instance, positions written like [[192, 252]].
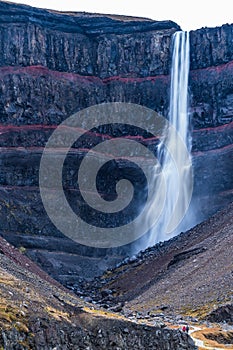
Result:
[[178, 109], [177, 169]]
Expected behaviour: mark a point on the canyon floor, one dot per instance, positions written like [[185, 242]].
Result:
[[38, 313], [188, 279], [191, 274], [141, 304]]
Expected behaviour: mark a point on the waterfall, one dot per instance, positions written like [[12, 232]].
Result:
[[177, 169], [178, 109]]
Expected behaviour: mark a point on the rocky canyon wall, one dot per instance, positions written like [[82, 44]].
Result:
[[53, 65]]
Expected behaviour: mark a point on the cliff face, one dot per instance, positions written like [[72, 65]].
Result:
[[83, 43], [212, 111], [53, 65]]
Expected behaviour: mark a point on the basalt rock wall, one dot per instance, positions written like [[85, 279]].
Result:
[[53, 65]]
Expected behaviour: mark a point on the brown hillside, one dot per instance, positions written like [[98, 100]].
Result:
[[37, 313], [191, 274]]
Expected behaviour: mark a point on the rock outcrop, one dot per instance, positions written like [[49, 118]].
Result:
[[222, 314], [104, 334], [37, 313], [53, 65]]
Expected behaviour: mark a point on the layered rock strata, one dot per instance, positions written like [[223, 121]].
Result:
[[55, 64]]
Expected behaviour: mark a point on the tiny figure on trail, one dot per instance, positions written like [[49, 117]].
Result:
[[184, 328], [187, 329]]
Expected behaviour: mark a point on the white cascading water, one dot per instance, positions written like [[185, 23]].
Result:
[[178, 109], [178, 182]]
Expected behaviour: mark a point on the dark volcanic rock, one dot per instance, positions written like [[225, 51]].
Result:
[[102, 334], [185, 255], [38, 313], [83, 43], [53, 65], [222, 314], [211, 46]]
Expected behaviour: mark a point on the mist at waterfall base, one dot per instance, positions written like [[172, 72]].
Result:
[[177, 172]]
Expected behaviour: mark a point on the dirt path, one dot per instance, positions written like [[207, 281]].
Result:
[[203, 345]]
